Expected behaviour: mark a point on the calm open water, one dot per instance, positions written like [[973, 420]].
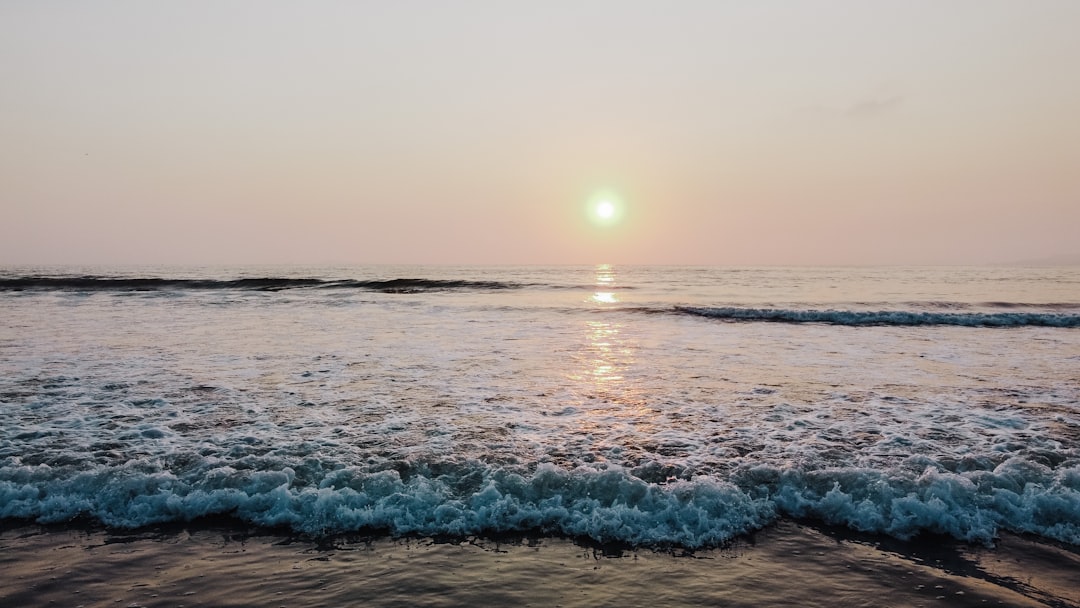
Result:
[[645, 405]]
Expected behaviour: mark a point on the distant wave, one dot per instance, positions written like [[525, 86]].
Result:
[[94, 283], [885, 317], [960, 306], [1046, 305]]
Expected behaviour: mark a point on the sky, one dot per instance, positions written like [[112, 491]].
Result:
[[474, 132]]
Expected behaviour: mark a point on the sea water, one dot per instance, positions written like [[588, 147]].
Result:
[[652, 406]]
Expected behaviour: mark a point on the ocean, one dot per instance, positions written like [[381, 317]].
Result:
[[644, 407]]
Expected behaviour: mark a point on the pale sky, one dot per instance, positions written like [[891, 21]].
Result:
[[842, 132]]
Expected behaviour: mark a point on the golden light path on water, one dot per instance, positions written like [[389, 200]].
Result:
[[611, 397], [610, 355]]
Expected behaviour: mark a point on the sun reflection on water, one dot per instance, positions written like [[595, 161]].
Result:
[[606, 356], [614, 412], [605, 285], [605, 297]]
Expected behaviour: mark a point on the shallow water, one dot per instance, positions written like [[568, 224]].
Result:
[[651, 406], [785, 565]]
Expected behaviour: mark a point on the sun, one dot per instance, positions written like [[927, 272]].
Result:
[[605, 209]]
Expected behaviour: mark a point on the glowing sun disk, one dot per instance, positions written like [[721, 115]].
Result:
[[605, 209]]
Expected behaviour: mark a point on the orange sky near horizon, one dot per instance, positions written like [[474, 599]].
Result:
[[477, 132]]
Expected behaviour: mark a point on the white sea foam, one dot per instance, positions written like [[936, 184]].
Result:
[[603, 504]]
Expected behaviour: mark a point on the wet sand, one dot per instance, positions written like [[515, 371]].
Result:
[[790, 564]]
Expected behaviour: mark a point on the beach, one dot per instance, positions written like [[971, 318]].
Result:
[[789, 564], [550, 304]]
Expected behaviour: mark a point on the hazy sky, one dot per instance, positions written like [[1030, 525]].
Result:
[[479, 132]]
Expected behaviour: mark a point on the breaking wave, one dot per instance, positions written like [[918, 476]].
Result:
[[605, 504]]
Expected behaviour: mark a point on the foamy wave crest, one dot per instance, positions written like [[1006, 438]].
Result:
[[1018, 496], [885, 317], [607, 505]]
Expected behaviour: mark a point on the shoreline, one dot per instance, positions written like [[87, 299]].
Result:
[[222, 562]]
